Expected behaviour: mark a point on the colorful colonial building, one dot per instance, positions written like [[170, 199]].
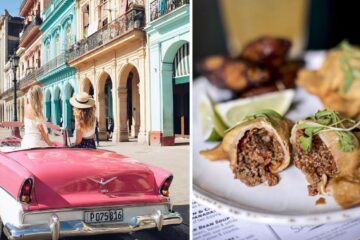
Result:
[[135, 65], [110, 58], [10, 28], [168, 31], [58, 79], [29, 49]]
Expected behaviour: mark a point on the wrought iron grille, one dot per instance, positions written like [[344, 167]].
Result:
[[133, 19], [160, 8]]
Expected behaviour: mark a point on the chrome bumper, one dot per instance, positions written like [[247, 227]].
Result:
[[56, 229]]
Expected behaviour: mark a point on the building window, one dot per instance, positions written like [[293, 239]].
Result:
[[85, 12], [48, 51], [68, 36], [39, 59], [38, 10], [104, 12], [57, 45], [124, 6], [33, 62]]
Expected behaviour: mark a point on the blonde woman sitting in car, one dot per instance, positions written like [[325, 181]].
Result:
[[35, 135], [85, 121]]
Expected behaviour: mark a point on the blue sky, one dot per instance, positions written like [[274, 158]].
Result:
[[11, 5]]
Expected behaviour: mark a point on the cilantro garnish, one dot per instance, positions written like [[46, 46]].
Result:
[[329, 120]]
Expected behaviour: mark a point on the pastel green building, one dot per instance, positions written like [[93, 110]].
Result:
[[168, 34], [58, 79]]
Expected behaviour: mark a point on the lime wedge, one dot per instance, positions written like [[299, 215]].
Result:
[[234, 111], [212, 127]]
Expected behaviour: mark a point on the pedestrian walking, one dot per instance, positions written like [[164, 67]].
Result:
[[110, 129], [85, 120], [97, 133]]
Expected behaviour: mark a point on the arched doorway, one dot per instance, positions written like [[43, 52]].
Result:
[[106, 117], [181, 90], [174, 87], [88, 87], [129, 96], [58, 108], [48, 113]]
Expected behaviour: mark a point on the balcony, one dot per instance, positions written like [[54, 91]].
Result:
[[52, 64], [22, 7], [29, 78], [133, 19], [30, 30], [159, 8]]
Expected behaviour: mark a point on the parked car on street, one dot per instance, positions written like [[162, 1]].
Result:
[[56, 192]]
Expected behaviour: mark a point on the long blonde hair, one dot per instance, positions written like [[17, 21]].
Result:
[[85, 117], [35, 99]]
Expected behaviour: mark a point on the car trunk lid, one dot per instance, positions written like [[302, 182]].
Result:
[[78, 177]]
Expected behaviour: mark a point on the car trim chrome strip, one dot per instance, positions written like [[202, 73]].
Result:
[[54, 229], [93, 208]]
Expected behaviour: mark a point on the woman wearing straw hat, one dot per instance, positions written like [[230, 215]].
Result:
[[85, 120]]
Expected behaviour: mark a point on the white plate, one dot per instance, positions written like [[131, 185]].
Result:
[[286, 203]]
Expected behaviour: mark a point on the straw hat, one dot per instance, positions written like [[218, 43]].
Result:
[[82, 100]]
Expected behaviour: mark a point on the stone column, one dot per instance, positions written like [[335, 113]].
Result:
[[124, 133], [102, 116], [168, 137], [116, 114], [142, 136], [155, 94], [22, 107], [135, 107], [67, 114], [53, 109]]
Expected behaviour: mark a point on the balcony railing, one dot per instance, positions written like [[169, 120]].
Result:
[[6, 92], [30, 77], [52, 64], [133, 19], [160, 8], [34, 74], [36, 22]]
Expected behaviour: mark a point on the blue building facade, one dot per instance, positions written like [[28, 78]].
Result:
[[58, 79], [168, 34]]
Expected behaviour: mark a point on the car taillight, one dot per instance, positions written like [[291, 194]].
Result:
[[25, 194], [165, 187]]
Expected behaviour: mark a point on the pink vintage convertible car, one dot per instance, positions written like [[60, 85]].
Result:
[[57, 192]]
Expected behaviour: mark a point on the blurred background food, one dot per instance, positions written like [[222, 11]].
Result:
[[262, 66], [252, 47], [337, 82]]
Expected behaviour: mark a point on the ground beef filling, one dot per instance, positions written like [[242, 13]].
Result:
[[314, 163], [255, 152]]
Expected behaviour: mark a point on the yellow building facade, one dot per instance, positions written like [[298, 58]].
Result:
[[110, 61]]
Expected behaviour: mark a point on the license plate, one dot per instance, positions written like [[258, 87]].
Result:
[[104, 216]]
